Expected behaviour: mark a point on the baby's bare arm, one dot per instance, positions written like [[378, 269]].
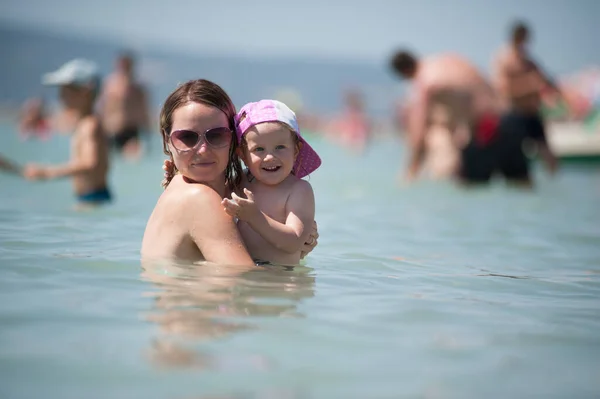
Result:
[[291, 236]]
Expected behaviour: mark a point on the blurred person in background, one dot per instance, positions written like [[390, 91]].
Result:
[[78, 81], [33, 119], [123, 107], [520, 82], [453, 86], [36, 120], [443, 156], [352, 128], [309, 122]]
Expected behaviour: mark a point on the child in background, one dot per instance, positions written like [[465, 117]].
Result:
[[78, 81]]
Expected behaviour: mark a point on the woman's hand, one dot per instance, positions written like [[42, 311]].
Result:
[[169, 168], [168, 165]]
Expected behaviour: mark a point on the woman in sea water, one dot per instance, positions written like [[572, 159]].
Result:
[[188, 221]]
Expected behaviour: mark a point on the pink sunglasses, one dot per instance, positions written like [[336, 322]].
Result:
[[187, 140]]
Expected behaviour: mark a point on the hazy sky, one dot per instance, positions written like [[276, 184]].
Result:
[[566, 33]]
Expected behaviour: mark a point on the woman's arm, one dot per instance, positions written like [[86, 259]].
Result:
[[212, 230]]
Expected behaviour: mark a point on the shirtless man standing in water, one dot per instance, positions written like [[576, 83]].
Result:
[[520, 83], [124, 107], [450, 81]]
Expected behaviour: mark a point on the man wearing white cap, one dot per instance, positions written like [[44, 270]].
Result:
[[78, 81]]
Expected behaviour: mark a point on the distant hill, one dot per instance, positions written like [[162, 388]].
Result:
[[27, 54]]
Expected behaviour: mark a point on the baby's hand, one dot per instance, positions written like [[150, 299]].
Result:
[[243, 208]]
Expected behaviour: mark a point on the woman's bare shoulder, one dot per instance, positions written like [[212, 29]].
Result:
[[191, 199]]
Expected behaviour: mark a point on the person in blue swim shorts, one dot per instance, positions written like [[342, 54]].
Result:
[[78, 81]]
